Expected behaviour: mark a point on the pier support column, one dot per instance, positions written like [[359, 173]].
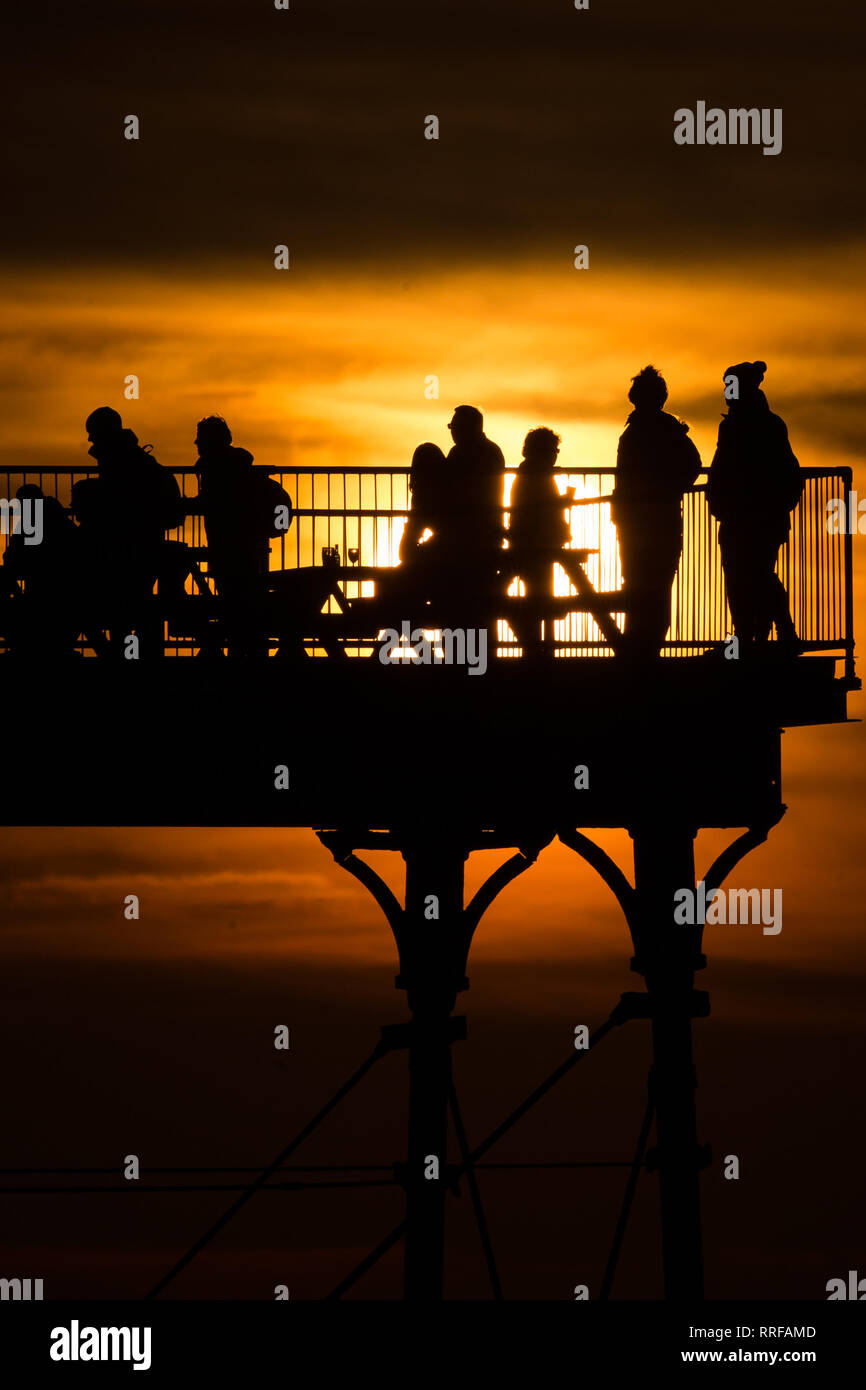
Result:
[[667, 955], [432, 961], [433, 932]]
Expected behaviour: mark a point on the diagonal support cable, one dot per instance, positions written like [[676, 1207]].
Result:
[[628, 1198], [618, 1015], [374, 1256], [475, 1193], [132, 1189], [378, 1051]]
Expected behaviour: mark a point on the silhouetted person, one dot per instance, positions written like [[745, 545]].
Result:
[[124, 514], [45, 622], [472, 498], [754, 484], [656, 463], [469, 552], [421, 558], [426, 486], [231, 501], [473, 522], [538, 531]]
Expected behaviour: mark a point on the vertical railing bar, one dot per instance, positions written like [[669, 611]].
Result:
[[817, 564], [820, 576], [847, 477]]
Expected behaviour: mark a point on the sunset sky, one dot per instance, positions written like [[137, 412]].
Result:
[[410, 258]]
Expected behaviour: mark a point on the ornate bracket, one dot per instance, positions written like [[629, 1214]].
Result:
[[605, 867], [737, 850], [376, 886], [339, 845]]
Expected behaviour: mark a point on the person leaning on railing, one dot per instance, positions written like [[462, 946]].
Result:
[[753, 486]]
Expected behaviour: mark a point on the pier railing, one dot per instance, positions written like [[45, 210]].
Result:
[[362, 511]]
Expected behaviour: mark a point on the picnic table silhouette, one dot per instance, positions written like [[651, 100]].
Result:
[[294, 602], [364, 616]]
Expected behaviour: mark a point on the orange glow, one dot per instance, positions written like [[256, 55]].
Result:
[[314, 371]]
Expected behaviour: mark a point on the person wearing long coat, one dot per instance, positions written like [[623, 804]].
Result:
[[754, 484]]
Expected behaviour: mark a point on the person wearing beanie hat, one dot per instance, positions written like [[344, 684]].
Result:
[[656, 463], [754, 484]]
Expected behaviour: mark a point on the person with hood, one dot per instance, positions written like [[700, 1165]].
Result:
[[124, 513], [753, 486], [656, 463], [231, 500]]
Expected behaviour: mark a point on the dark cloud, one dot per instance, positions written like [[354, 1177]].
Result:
[[305, 126]]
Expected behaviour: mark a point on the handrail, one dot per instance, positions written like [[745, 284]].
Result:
[[362, 507]]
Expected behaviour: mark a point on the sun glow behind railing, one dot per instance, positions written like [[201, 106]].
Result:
[[365, 510]]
